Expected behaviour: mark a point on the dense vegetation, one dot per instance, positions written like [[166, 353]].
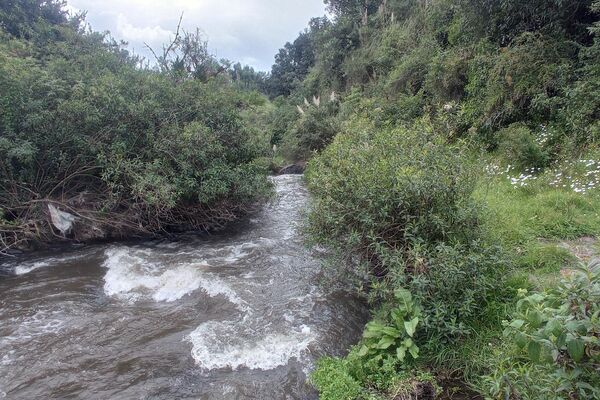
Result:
[[453, 163], [122, 148]]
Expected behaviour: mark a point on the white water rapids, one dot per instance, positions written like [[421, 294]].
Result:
[[233, 316]]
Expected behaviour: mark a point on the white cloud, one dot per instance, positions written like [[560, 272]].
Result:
[[71, 10], [249, 31], [130, 33]]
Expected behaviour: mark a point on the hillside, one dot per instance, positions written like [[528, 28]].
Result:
[[454, 166]]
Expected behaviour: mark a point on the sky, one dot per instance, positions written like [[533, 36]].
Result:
[[248, 31]]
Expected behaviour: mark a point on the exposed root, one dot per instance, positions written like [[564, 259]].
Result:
[[30, 222]]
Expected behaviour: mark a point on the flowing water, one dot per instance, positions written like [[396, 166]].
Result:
[[234, 316]]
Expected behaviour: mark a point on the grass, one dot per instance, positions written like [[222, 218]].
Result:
[[538, 225], [517, 216], [531, 224]]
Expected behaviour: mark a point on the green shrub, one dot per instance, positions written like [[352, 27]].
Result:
[[334, 382], [447, 75], [401, 200], [281, 119], [393, 336], [581, 114], [409, 75], [457, 288], [354, 377], [314, 130], [519, 147], [377, 190], [557, 347], [129, 150], [525, 81]]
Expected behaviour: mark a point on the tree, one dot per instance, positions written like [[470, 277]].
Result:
[[20, 18], [292, 64], [187, 56], [353, 8], [246, 77]]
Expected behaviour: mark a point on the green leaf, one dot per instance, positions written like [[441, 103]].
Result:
[[573, 326], [576, 349], [404, 297], [561, 340], [411, 326], [517, 323], [385, 342], [364, 350], [373, 330], [535, 318], [521, 340], [534, 350], [553, 327], [586, 386], [398, 316], [414, 351], [401, 353], [390, 331]]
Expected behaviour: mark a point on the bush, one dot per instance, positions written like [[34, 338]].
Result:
[[313, 131], [393, 335], [457, 288], [557, 347], [525, 81], [519, 147], [377, 191], [129, 151], [281, 119], [334, 382], [355, 378], [401, 200], [409, 75]]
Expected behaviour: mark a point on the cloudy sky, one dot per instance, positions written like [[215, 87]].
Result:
[[250, 31]]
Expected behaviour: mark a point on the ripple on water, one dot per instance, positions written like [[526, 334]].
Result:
[[43, 322]]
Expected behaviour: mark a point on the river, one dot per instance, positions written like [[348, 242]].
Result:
[[237, 315]]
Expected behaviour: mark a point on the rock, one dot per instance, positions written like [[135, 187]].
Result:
[[294, 169]]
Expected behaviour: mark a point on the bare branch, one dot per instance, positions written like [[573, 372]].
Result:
[[162, 61]]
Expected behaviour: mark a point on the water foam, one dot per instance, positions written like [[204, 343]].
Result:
[[217, 345], [43, 322], [133, 277], [6, 359], [232, 254], [27, 268]]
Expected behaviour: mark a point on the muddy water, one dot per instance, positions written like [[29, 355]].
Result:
[[234, 316]]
